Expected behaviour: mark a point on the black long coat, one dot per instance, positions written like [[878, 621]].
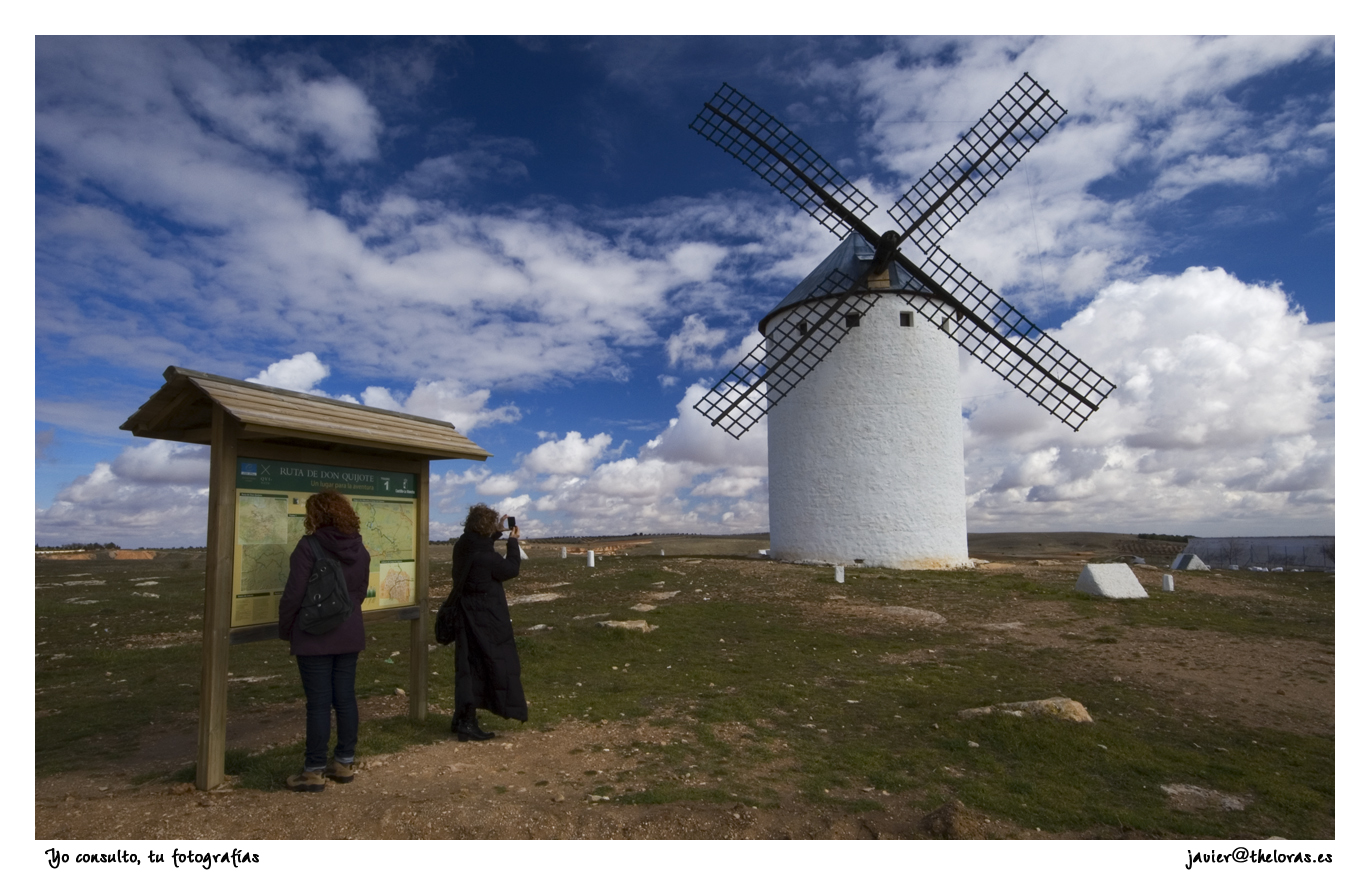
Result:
[[487, 663]]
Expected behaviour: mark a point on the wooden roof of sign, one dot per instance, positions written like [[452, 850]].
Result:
[[182, 408]]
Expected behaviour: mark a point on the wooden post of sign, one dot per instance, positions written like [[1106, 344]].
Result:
[[223, 461], [418, 628]]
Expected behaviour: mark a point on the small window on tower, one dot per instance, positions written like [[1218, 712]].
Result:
[[804, 328], [854, 320], [906, 319]]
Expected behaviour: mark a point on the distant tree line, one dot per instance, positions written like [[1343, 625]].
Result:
[[1157, 536], [92, 546]]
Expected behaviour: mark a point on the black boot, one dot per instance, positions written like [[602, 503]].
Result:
[[468, 729]]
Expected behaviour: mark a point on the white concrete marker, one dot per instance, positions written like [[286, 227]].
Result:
[[1110, 580], [564, 552], [663, 551], [838, 574], [590, 559], [1168, 584]]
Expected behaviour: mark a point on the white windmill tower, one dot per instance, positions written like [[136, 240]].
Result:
[[866, 450]]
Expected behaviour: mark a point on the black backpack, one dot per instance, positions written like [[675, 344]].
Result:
[[326, 603]]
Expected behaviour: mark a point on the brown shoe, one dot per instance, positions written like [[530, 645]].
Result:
[[342, 773], [307, 780]]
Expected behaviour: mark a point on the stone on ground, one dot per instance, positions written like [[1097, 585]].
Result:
[[641, 626], [915, 615], [1064, 708], [1110, 580], [526, 598], [1192, 798], [952, 821]]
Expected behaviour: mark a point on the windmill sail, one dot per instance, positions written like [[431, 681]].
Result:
[[776, 154], [978, 161], [812, 319], [993, 331], [803, 337]]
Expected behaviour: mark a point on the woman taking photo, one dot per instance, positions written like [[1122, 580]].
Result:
[[487, 664], [327, 661]]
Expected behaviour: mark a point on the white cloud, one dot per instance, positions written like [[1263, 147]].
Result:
[[164, 462], [1155, 110], [443, 400], [287, 117], [151, 495], [690, 346], [572, 455], [383, 285], [1222, 423], [691, 438], [1222, 420], [497, 485], [436, 399], [301, 373]]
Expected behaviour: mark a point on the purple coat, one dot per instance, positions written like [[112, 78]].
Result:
[[348, 637]]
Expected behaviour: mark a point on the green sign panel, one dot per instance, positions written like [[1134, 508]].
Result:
[[299, 477]]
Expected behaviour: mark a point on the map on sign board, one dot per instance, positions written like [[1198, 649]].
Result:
[[270, 522]]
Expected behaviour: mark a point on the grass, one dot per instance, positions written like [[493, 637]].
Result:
[[770, 694]]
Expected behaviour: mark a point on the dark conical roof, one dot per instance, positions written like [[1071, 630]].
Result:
[[854, 255]]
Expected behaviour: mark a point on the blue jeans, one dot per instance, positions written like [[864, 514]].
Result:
[[330, 686]]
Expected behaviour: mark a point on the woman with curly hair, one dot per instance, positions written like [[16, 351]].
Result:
[[487, 663], [327, 661]]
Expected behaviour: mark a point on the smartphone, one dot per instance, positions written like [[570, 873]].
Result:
[[511, 522]]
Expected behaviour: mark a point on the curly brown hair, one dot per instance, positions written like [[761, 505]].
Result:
[[331, 508], [482, 520]]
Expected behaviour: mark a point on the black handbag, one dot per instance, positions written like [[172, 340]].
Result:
[[445, 624]]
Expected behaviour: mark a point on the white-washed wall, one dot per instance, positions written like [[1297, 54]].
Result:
[[866, 453]]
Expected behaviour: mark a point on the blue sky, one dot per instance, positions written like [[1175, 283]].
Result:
[[523, 237]]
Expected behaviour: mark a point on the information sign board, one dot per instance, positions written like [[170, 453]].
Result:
[[271, 521]]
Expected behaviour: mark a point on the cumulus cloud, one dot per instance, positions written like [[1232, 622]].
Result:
[[1223, 417], [497, 485], [301, 373], [572, 455], [154, 494], [446, 399], [1223, 421], [689, 347]]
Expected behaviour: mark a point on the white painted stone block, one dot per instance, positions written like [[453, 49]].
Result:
[[564, 552], [590, 559], [1189, 563], [1168, 584], [1110, 580], [838, 574]]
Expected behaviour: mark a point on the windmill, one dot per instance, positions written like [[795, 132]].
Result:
[[866, 451]]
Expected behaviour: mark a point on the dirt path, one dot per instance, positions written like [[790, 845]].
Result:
[[531, 785]]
